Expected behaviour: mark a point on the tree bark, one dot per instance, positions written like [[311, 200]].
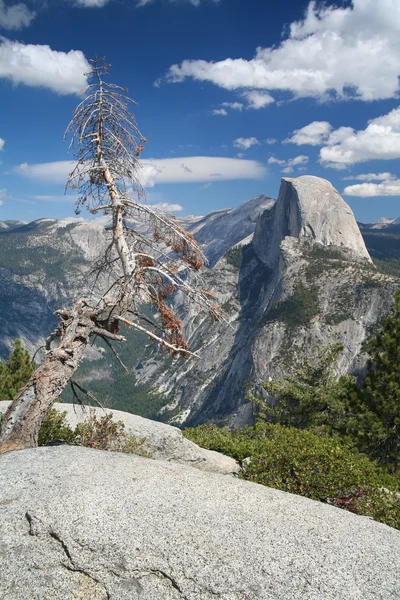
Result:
[[24, 417]]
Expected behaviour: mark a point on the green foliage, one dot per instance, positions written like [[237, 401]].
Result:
[[313, 396], [101, 433], [15, 372], [55, 426], [234, 256], [237, 444], [303, 463], [378, 402], [298, 309]]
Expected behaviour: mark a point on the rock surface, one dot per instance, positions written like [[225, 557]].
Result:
[[83, 524], [164, 442], [309, 208], [304, 282]]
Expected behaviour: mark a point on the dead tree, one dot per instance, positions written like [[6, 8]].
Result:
[[147, 258]]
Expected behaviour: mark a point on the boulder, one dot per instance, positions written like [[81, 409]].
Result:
[[77, 523], [164, 442]]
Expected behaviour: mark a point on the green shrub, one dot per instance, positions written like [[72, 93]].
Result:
[[221, 439], [306, 464], [101, 433], [234, 256], [55, 426], [298, 309]]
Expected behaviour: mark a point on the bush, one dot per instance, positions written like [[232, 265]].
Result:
[[306, 464], [55, 427], [101, 433]]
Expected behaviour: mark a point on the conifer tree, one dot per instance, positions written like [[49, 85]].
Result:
[[380, 393], [15, 372]]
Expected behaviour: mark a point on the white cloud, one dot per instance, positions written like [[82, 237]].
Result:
[[3, 195], [391, 187], [350, 52], [288, 165], [189, 169], [270, 141], [379, 141], [370, 177], [54, 172], [233, 105], [166, 207], [219, 112], [56, 198], [246, 143], [257, 100], [2, 142], [40, 66], [314, 134], [91, 3], [15, 16], [192, 2]]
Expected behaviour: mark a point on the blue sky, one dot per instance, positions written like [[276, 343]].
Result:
[[233, 95]]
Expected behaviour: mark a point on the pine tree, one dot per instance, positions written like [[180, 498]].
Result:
[[380, 393], [15, 372]]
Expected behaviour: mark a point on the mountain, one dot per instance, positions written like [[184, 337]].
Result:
[[219, 231], [305, 281], [290, 275], [9, 225]]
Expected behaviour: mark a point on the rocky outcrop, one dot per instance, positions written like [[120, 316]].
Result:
[[219, 231], [305, 281], [309, 209], [79, 523], [162, 441]]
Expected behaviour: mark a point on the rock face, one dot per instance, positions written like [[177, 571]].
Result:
[[162, 441], [78, 523], [219, 231], [309, 209], [43, 266], [305, 281]]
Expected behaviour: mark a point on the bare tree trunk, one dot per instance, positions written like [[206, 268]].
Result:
[[25, 415]]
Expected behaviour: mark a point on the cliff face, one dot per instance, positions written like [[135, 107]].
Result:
[[43, 266], [306, 280], [309, 209]]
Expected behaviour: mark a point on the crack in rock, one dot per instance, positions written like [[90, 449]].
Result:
[[37, 527]]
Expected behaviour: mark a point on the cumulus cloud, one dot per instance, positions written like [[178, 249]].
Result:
[[40, 66], [314, 134], [16, 16], [257, 100], [345, 52], [246, 143], [190, 169], [370, 177], [380, 140], [192, 2], [290, 164], [222, 112], [233, 105], [91, 3], [2, 142], [391, 187], [167, 207]]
